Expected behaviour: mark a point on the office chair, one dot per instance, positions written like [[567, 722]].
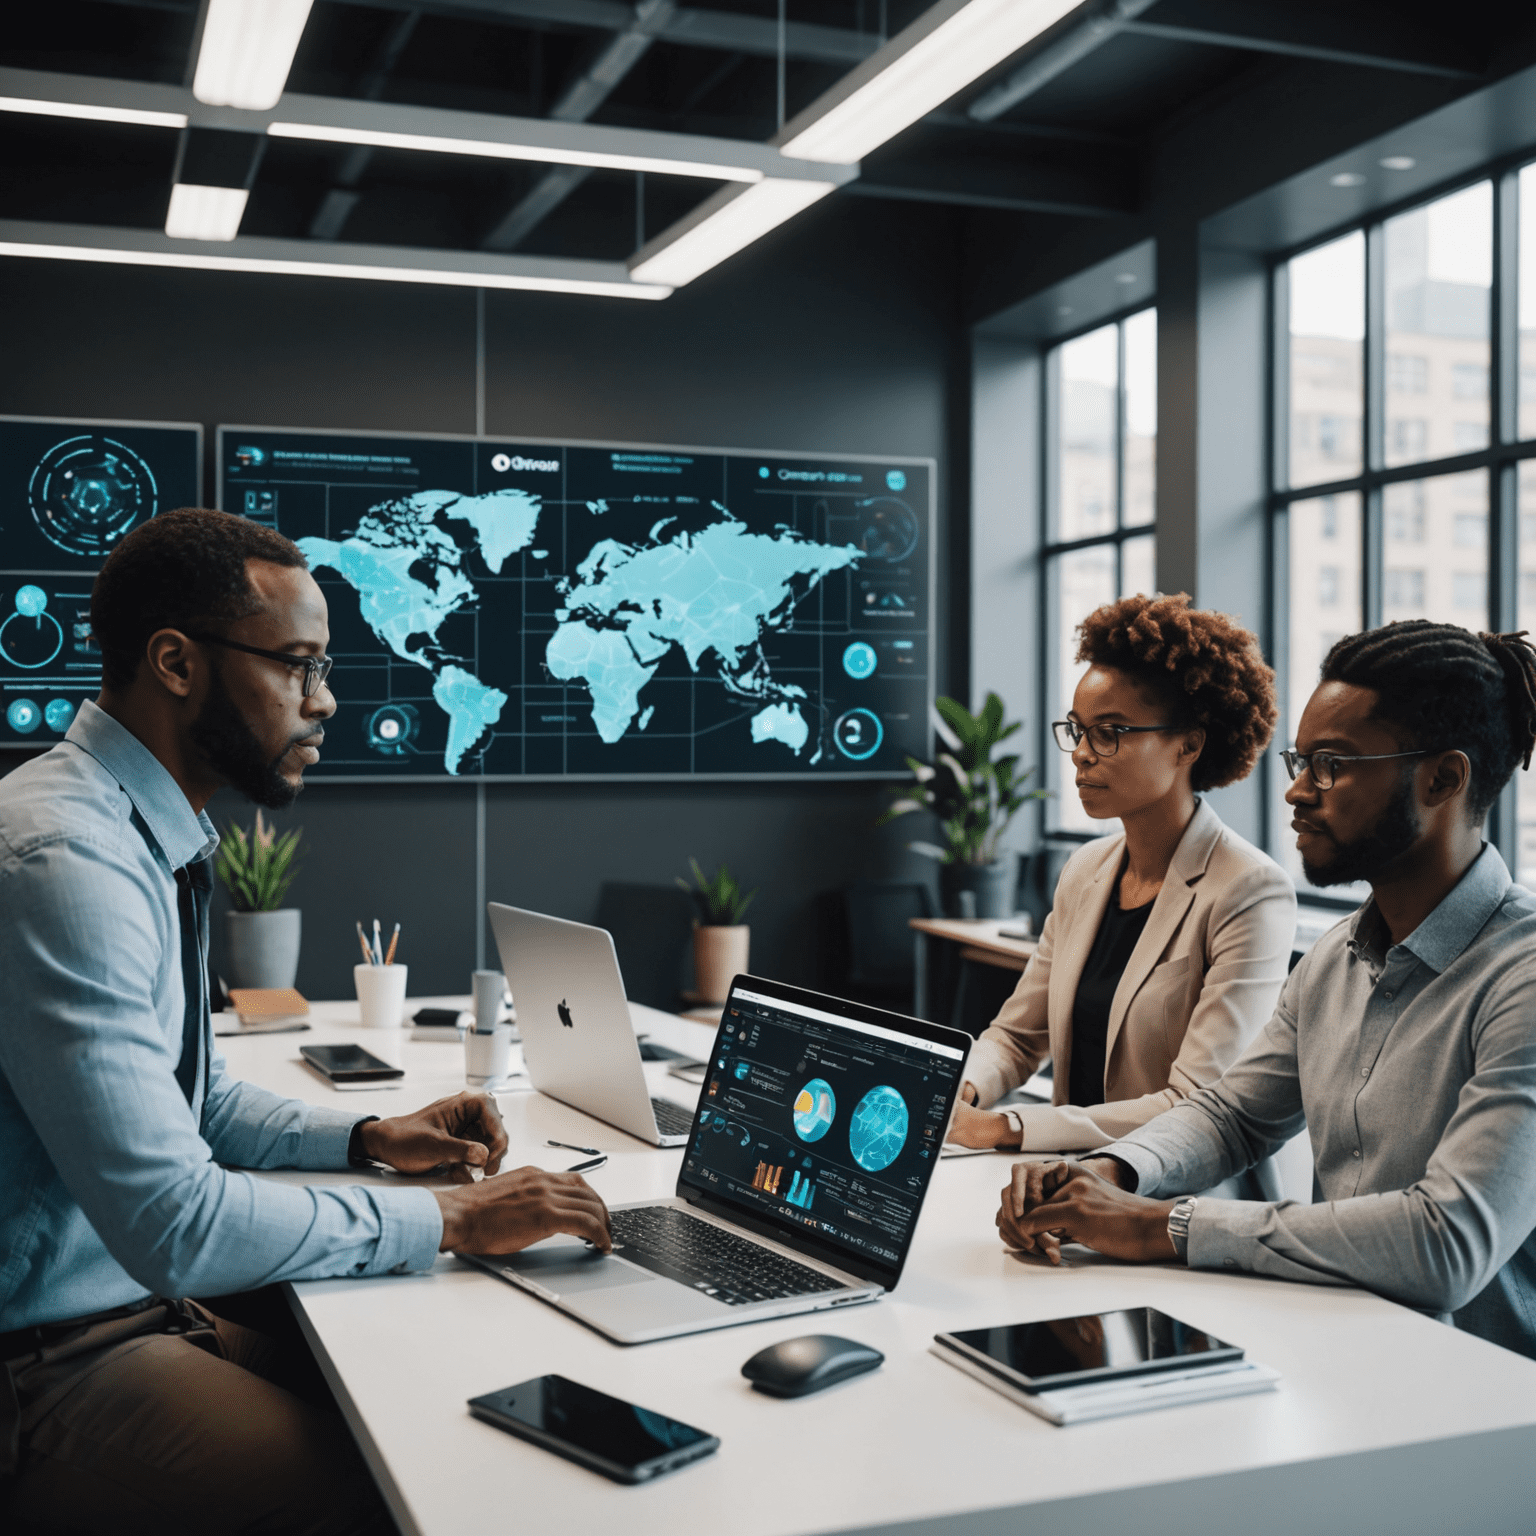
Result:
[[652, 928]]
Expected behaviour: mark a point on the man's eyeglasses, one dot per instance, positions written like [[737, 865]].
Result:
[[316, 668], [1321, 765], [1104, 738]]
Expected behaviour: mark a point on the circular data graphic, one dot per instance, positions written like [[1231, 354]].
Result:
[[878, 1130], [24, 716], [30, 636], [58, 714], [859, 660], [858, 734], [392, 728], [87, 492], [815, 1109], [890, 528]]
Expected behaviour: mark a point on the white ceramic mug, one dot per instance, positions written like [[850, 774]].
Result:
[[381, 995], [486, 1056]]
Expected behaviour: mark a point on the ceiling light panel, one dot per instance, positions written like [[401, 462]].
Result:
[[951, 45], [247, 51], [728, 222], [497, 150], [205, 213], [94, 114]]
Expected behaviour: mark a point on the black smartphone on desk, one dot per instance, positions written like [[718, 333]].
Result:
[[603, 1433], [350, 1066]]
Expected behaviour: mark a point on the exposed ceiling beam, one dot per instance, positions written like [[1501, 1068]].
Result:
[[689, 27], [1079, 36], [337, 204], [1381, 40], [1054, 189], [586, 93], [435, 129], [306, 258]]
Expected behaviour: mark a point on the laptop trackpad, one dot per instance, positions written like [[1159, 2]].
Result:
[[569, 1268]]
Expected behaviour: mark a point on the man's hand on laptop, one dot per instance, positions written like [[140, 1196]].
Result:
[[1048, 1204], [459, 1134], [519, 1208]]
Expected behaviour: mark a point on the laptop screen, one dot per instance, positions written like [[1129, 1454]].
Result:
[[824, 1122]]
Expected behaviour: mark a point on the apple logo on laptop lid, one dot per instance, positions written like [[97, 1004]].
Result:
[[565, 1014]]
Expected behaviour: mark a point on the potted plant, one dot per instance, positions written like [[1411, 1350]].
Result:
[[721, 941], [975, 796], [257, 867]]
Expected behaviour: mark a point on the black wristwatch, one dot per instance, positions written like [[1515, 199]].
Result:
[[356, 1157]]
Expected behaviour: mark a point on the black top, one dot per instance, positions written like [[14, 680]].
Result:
[[1111, 952]]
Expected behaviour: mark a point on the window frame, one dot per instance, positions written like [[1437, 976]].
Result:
[[1499, 460], [1052, 550]]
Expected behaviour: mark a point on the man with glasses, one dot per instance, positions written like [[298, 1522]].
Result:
[[1404, 1042], [124, 1405]]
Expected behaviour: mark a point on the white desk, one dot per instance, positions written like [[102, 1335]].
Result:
[[1384, 1421]]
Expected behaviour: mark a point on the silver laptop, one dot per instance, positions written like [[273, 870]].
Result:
[[811, 1152], [579, 1043]]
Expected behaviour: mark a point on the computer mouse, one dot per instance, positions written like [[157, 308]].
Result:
[[798, 1367]]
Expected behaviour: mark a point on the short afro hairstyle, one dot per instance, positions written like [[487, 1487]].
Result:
[[1200, 665], [181, 570], [1442, 687]]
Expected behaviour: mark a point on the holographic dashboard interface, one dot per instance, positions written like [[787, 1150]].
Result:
[[824, 1121], [535, 609], [69, 490]]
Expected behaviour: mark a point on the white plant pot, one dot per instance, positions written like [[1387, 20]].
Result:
[[263, 947], [719, 955]]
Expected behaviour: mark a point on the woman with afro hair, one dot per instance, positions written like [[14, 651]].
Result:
[[1168, 943]]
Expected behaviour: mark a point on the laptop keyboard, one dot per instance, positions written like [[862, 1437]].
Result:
[[670, 1242], [672, 1119]]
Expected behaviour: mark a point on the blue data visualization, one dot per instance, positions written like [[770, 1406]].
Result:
[[69, 492], [551, 610]]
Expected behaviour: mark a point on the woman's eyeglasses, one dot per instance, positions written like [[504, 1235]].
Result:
[[1104, 738]]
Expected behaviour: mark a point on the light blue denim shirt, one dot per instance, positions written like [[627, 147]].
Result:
[[1412, 1067], [113, 1186]]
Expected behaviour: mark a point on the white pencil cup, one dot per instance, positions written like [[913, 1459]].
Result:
[[381, 995], [486, 1056]]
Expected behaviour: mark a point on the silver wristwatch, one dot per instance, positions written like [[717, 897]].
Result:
[[1178, 1224]]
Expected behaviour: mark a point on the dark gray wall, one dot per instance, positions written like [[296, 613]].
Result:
[[838, 335]]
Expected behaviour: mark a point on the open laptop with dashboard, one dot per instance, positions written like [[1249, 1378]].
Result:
[[811, 1152], [579, 1043]]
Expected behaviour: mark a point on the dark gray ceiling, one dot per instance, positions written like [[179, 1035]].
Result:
[[1083, 107]]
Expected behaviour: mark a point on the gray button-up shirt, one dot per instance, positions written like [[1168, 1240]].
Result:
[[112, 1185], [1413, 1068]]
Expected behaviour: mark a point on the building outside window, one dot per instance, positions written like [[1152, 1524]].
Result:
[[1424, 505], [1101, 486]]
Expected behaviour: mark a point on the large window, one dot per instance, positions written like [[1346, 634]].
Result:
[[1405, 457], [1101, 484]]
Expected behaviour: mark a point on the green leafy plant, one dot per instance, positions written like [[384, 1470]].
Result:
[[973, 794], [720, 898], [257, 866]]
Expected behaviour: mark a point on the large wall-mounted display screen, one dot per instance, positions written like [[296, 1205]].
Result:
[[555, 610], [69, 490]]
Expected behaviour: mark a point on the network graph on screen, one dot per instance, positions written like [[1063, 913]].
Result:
[[554, 610]]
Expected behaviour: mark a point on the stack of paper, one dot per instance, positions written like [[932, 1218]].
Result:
[[263, 1011], [1126, 1394]]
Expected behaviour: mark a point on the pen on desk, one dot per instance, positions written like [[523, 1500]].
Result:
[[589, 1165], [570, 1146], [394, 939], [367, 953], [378, 949]]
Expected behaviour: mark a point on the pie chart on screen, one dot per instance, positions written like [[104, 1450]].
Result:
[[815, 1110]]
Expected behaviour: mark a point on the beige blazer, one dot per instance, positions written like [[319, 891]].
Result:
[[1203, 979]]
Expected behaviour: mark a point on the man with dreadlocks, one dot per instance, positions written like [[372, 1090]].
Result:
[[1404, 1042]]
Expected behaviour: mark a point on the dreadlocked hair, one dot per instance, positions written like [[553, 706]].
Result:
[[1444, 688], [1203, 667]]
